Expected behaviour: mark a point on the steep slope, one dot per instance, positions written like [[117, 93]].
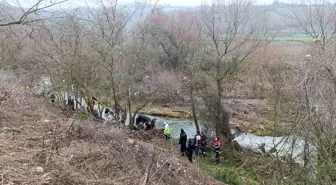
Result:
[[39, 146]]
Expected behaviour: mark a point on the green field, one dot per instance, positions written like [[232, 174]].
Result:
[[304, 38]]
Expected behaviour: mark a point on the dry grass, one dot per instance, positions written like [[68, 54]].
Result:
[[41, 147], [173, 111]]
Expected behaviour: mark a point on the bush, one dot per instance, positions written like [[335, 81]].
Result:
[[82, 116], [228, 178]]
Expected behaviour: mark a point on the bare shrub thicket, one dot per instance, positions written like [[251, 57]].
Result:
[[106, 54], [317, 97], [10, 48], [17, 103], [313, 88], [137, 162], [302, 102], [21, 129]]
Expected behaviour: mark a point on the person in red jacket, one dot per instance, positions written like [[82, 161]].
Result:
[[217, 143], [217, 146]]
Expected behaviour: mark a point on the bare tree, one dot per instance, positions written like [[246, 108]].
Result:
[[318, 129], [136, 53], [18, 14], [176, 35], [109, 26], [64, 54], [232, 31], [179, 38], [303, 95], [315, 18]]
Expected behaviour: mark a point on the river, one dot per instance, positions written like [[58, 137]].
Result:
[[285, 146]]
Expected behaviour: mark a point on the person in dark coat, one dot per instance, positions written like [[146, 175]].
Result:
[[190, 149], [152, 124], [183, 142], [203, 143]]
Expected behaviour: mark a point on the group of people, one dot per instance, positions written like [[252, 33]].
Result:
[[192, 146], [197, 145], [142, 121]]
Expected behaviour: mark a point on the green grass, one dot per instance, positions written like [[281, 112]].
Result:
[[249, 170], [239, 169], [303, 38], [165, 112], [227, 173], [82, 116]]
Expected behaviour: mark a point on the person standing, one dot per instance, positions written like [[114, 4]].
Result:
[[203, 143], [166, 132], [190, 149], [197, 142], [217, 146], [146, 126], [152, 124], [183, 142]]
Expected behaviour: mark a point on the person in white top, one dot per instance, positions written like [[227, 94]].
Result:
[[197, 142]]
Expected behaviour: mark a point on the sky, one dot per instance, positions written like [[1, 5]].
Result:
[[75, 3], [184, 2]]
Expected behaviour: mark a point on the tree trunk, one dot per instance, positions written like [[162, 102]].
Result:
[[225, 130], [115, 98], [100, 106], [130, 120], [76, 105], [193, 108], [80, 99], [223, 117], [218, 104], [306, 145], [68, 94]]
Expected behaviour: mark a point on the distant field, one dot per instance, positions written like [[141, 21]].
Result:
[[304, 38]]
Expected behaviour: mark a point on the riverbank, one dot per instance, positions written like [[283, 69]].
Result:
[[247, 116], [239, 169], [171, 111]]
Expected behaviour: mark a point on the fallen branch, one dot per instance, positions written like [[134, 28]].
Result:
[[66, 132], [145, 180], [159, 169], [240, 166]]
